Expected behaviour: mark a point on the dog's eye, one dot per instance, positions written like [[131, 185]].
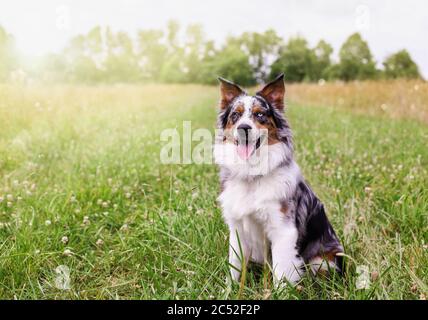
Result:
[[234, 116], [260, 115]]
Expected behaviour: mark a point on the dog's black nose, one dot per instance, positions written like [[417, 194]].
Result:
[[243, 131], [244, 127]]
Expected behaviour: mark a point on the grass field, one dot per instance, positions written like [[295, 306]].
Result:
[[81, 186]]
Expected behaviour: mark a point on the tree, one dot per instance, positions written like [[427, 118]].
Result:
[[102, 56], [400, 65], [173, 69], [231, 63], [121, 62], [356, 60], [261, 49], [194, 51], [295, 60], [321, 64], [83, 57], [151, 53], [8, 59], [172, 35]]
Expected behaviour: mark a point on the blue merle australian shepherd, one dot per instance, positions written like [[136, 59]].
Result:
[[271, 211]]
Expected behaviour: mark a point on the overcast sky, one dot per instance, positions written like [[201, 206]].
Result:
[[388, 25]]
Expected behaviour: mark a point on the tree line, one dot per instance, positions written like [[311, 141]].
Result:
[[178, 55]]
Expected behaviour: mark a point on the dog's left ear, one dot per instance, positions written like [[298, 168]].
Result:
[[273, 92], [229, 91]]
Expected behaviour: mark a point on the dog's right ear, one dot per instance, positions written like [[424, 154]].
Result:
[[229, 91], [273, 92]]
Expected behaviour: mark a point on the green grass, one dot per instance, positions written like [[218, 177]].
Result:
[[85, 159]]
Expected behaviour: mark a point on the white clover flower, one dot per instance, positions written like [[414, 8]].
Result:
[[67, 252], [86, 220], [128, 195], [105, 204], [9, 197], [48, 223], [64, 239], [99, 242]]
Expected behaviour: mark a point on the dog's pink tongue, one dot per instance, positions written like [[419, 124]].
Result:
[[245, 151]]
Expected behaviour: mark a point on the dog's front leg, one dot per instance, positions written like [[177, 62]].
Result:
[[238, 251], [286, 261]]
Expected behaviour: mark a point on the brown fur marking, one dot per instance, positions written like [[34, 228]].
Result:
[[284, 207], [239, 108], [272, 130]]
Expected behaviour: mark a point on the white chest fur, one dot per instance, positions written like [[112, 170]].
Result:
[[252, 210], [259, 197]]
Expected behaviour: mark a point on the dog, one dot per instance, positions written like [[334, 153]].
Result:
[[268, 204]]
